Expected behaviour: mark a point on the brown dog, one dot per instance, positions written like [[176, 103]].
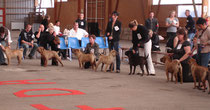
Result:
[[14, 53], [108, 60], [47, 55], [198, 72], [82, 58], [172, 66]]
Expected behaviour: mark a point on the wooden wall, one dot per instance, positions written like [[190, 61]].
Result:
[[68, 13]]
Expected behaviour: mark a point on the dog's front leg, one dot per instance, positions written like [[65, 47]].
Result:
[[19, 59], [167, 75], [102, 65], [130, 69], [176, 77], [45, 62], [60, 61], [8, 60], [142, 69], [194, 79], [106, 67], [134, 70]]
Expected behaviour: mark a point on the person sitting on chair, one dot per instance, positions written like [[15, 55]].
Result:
[[77, 32], [27, 40]]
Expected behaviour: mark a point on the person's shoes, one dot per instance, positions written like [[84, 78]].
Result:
[[3, 64], [108, 70], [118, 71], [30, 57], [152, 74]]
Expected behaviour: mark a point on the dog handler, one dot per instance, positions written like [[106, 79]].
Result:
[[181, 52], [113, 31], [140, 37], [203, 42], [91, 47]]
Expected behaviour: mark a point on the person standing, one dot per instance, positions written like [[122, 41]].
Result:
[[45, 22], [181, 52], [141, 38], [152, 24], [171, 23], [190, 26], [27, 40], [113, 31], [203, 42], [81, 21]]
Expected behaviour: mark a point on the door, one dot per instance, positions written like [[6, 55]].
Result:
[[2, 17]]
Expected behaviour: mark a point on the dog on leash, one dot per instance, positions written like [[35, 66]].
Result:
[[199, 72], [14, 53], [107, 60], [48, 55], [83, 58], [174, 67], [135, 60]]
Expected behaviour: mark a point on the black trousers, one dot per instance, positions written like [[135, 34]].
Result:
[[187, 77]]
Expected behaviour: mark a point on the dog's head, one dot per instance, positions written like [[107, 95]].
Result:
[[129, 53], [164, 58], [40, 50], [77, 52], [57, 40], [113, 53], [192, 61]]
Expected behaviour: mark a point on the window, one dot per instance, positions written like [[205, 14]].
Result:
[[44, 5], [62, 0], [171, 2], [182, 8]]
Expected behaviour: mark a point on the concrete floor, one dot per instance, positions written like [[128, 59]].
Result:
[[102, 90]]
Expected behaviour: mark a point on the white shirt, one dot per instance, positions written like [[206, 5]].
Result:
[[79, 34], [56, 29], [66, 32]]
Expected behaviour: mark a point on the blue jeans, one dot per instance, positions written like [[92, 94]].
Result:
[[191, 36], [115, 46], [203, 58], [2, 59], [26, 47]]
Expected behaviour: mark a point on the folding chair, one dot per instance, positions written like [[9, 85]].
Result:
[[84, 42], [73, 43], [100, 42]]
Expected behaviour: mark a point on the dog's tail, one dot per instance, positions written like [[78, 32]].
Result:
[[146, 56]]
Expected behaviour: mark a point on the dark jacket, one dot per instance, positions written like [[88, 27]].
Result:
[[115, 31], [190, 24], [95, 47], [141, 35], [152, 24], [45, 23], [26, 36], [82, 23]]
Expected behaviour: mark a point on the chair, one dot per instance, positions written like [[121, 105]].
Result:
[[62, 43], [73, 43], [84, 42], [100, 42], [102, 45], [19, 43]]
